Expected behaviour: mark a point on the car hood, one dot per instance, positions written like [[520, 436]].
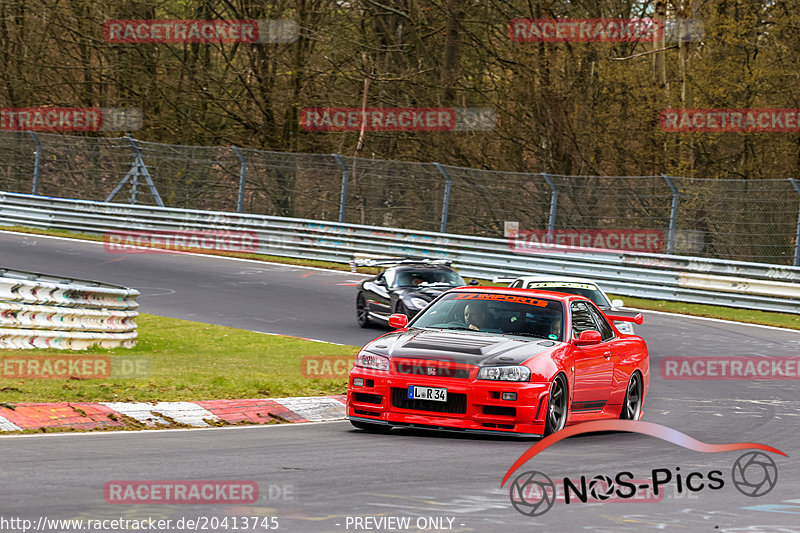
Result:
[[426, 293], [459, 347]]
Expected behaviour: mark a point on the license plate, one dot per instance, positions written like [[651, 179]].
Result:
[[427, 393]]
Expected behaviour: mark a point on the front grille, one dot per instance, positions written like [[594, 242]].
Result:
[[456, 403], [364, 397], [498, 410], [421, 369]]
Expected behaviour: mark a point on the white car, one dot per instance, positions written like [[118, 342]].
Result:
[[580, 286]]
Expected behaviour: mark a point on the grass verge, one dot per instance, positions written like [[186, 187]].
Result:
[[187, 361]]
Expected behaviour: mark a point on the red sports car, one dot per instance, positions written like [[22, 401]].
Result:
[[500, 360]]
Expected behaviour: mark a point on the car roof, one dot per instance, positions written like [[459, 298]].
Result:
[[420, 266], [560, 296], [556, 279]]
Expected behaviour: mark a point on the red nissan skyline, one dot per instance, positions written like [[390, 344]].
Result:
[[500, 360]]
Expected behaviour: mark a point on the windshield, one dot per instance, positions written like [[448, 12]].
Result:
[[412, 278], [495, 313], [581, 289]]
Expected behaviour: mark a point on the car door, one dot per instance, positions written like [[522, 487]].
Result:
[[378, 298], [593, 364]]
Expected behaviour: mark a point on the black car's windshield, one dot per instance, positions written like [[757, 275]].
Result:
[[508, 314], [581, 289], [414, 278]]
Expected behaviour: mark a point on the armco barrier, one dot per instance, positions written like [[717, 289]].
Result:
[[40, 311], [688, 279]]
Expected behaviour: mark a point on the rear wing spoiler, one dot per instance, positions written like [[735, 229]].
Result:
[[379, 261], [503, 279], [638, 319]]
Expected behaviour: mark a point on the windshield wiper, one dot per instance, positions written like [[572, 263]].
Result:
[[523, 334]]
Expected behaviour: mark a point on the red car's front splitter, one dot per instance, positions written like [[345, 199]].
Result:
[[472, 406]]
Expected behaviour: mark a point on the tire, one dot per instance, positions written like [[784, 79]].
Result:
[[372, 428], [632, 406], [362, 314], [557, 401]]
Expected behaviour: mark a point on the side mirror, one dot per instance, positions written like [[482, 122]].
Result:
[[473, 282], [381, 282], [399, 321], [588, 338], [617, 303]]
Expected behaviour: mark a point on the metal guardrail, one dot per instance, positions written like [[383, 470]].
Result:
[[42, 311], [689, 279]]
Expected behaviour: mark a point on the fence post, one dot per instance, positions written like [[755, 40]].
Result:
[[551, 219], [36, 161], [345, 179], [137, 168], [448, 182], [242, 177], [673, 214], [797, 232]]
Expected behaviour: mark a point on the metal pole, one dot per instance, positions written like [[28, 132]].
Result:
[[345, 180], [141, 168], [36, 161], [797, 232], [448, 182], [242, 177], [551, 220], [673, 214]]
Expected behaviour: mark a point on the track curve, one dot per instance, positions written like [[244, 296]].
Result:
[[334, 472]]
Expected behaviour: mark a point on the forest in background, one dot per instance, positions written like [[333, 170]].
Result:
[[563, 108]]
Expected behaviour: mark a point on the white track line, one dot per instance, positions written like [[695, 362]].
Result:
[[162, 431]]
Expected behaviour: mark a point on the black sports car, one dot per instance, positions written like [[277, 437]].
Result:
[[406, 286]]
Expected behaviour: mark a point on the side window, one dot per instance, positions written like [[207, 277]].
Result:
[[605, 330], [389, 276], [581, 318]]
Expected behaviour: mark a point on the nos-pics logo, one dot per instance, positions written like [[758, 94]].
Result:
[[533, 493]]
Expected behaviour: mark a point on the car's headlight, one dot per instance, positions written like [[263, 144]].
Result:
[[624, 327], [370, 360], [505, 373], [418, 303]]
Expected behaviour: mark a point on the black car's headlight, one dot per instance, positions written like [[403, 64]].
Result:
[[505, 373], [365, 359]]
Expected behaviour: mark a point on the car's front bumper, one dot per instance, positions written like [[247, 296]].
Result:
[[472, 406]]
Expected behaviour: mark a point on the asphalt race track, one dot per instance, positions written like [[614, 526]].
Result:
[[323, 477]]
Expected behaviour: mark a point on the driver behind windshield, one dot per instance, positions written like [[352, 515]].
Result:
[[475, 316]]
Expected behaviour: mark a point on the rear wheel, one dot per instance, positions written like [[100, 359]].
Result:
[[632, 407], [556, 406], [372, 428], [362, 313]]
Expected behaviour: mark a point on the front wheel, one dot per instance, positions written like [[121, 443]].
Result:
[[372, 428], [632, 407], [556, 406], [362, 313]]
